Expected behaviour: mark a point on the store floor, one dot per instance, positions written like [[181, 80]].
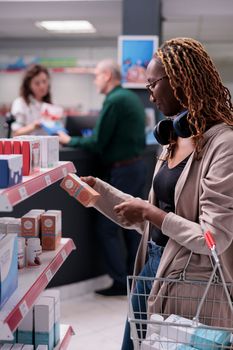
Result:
[[98, 321]]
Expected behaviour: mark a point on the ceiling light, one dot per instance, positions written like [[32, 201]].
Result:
[[67, 26]]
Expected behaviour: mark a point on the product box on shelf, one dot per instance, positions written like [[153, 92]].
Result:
[[10, 225], [55, 295], [49, 149], [78, 189], [8, 266], [25, 329], [51, 229], [30, 149], [42, 347], [5, 146], [43, 322], [30, 225], [10, 170]]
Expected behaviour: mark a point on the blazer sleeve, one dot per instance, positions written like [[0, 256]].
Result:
[[216, 208], [109, 197]]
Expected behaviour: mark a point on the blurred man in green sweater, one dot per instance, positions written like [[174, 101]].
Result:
[[119, 139]]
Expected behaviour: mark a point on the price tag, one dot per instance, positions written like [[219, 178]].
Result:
[[23, 308], [48, 180], [65, 172], [49, 275], [23, 192], [64, 255]]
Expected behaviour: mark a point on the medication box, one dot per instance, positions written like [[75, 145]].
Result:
[[198, 337], [78, 189], [51, 229], [55, 295], [25, 329], [8, 266], [10, 170], [44, 322], [29, 147]]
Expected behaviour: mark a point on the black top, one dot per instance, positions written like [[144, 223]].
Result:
[[164, 186]]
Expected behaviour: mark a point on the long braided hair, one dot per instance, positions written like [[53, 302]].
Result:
[[190, 69]]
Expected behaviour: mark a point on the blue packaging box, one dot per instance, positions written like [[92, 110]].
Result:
[[10, 170], [8, 266]]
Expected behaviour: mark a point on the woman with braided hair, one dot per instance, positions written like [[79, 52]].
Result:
[[192, 189]]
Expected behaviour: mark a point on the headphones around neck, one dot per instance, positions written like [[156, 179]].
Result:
[[167, 129]]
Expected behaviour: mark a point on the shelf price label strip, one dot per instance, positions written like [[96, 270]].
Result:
[[33, 184], [17, 313]]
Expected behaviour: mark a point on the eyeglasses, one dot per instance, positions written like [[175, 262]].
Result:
[[152, 85]]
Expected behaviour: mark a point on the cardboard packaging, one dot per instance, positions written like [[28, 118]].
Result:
[[25, 329], [8, 266], [44, 322], [49, 149], [29, 147], [198, 337], [78, 189], [55, 295], [51, 111], [10, 170], [51, 229], [10, 225], [30, 225]]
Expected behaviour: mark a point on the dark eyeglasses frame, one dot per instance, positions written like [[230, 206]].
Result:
[[152, 85]]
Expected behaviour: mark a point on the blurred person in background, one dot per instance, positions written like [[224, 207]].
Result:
[[119, 139], [34, 90]]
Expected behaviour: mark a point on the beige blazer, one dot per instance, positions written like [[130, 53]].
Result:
[[203, 201]]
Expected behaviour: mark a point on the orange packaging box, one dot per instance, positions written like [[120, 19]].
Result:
[[78, 189], [51, 229], [30, 225]]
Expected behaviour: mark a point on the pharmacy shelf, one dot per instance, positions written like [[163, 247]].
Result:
[[32, 281], [11, 196], [66, 333]]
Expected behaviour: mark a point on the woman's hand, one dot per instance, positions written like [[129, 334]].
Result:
[[64, 139], [132, 211], [136, 211], [90, 180]]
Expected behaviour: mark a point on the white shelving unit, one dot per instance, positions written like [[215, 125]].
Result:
[[33, 280]]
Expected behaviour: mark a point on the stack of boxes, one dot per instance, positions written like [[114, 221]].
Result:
[[41, 325], [25, 155]]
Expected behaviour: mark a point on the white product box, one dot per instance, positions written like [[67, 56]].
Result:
[[8, 266], [49, 151], [42, 347], [199, 337], [10, 225], [21, 252], [28, 347], [55, 295], [25, 329], [44, 322], [11, 170]]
